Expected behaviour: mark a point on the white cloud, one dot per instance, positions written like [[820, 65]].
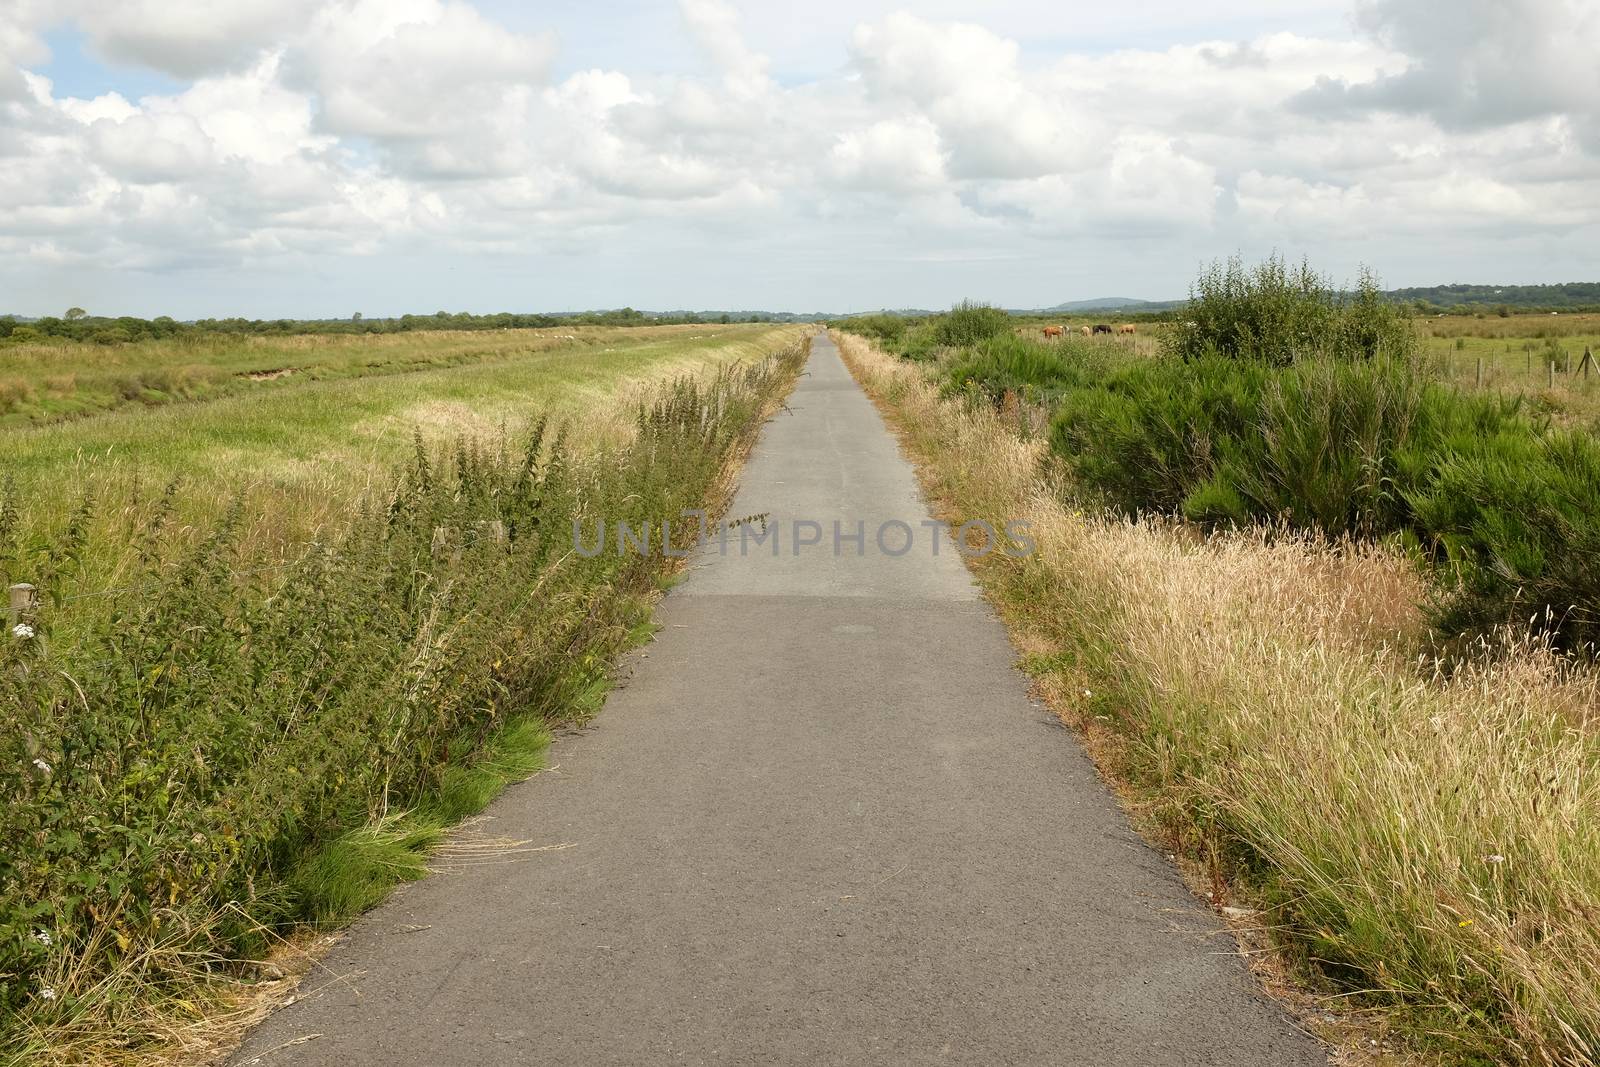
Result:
[[360, 128], [966, 80], [151, 148], [715, 27], [189, 38], [896, 155], [1476, 63]]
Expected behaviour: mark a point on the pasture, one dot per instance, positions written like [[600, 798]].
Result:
[[294, 431], [1536, 356]]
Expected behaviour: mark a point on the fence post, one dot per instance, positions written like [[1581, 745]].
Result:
[[24, 600], [1587, 359], [1480, 373], [1552, 383], [1568, 357]]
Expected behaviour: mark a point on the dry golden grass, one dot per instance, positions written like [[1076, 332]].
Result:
[[1428, 842]]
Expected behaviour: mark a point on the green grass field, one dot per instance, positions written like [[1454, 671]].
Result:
[[297, 450], [1517, 354], [290, 408], [47, 381]]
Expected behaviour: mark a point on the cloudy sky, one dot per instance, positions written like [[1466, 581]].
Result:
[[321, 157]]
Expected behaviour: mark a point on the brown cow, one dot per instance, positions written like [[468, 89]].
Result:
[[1052, 331], [1126, 327], [1101, 327]]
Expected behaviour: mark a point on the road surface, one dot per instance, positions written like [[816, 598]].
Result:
[[821, 822]]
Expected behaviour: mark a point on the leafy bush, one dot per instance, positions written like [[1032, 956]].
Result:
[[968, 323], [1368, 449], [1007, 363], [964, 325], [1518, 516], [1276, 314], [1333, 444], [178, 762], [887, 330], [1146, 436]]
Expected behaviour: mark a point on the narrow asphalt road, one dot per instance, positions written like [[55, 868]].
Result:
[[821, 822]]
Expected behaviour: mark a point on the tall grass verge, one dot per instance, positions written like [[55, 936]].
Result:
[[1426, 843], [217, 751]]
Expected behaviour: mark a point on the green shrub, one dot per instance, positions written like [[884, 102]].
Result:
[[1277, 314], [1007, 363], [1517, 516], [920, 345], [1507, 507], [886, 330], [1144, 437], [968, 323], [1331, 450]]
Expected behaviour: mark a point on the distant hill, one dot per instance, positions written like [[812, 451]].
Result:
[[1104, 303]]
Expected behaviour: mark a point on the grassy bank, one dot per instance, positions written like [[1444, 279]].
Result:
[[50, 380], [216, 750], [1424, 842], [292, 457]]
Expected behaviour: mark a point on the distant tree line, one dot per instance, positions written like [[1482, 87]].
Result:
[[78, 325], [1502, 299]]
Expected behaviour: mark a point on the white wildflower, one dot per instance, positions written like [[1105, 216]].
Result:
[[1497, 858], [42, 936], [47, 993], [42, 765], [1087, 693], [22, 630]]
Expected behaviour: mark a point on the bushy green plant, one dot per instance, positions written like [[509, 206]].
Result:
[[1365, 448], [968, 323], [1517, 516], [1331, 451], [1006, 363], [1276, 313], [1144, 437], [886, 330], [1368, 325]]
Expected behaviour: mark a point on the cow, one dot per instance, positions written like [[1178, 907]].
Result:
[[1101, 327], [1085, 331], [1126, 327], [1052, 331]]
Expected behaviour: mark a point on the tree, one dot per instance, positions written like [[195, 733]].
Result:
[[74, 314], [356, 317]]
